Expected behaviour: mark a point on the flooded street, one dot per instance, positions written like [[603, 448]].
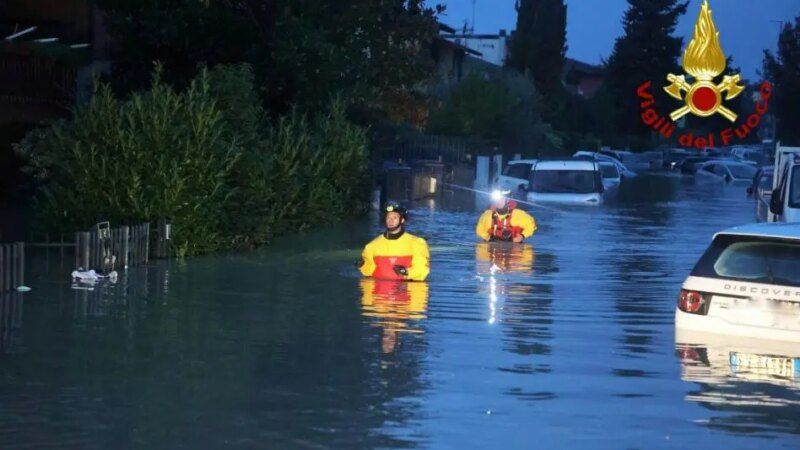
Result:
[[567, 341]]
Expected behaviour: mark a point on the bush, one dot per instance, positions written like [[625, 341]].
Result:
[[205, 158]]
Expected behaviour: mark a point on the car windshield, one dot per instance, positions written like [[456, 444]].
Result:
[[609, 171], [749, 258], [742, 172], [563, 182], [794, 188]]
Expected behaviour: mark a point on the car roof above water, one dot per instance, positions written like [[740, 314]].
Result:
[[769, 230], [567, 164]]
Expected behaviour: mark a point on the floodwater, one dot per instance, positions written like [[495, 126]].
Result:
[[566, 342]]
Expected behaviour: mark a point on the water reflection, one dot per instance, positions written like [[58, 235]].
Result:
[[10, 322], [397, 307], [749, 384]]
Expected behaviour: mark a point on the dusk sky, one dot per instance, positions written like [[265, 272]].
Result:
[[746, 27]]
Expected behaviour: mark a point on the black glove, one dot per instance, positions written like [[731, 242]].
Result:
[[400, 270], [359, 262]]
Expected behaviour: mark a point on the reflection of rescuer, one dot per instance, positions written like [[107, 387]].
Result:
[[504, 221], [396, 306], [395, 254]]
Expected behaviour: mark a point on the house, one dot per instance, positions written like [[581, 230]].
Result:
[[493, 48], [48, 50], [582, 79], [449, 55]]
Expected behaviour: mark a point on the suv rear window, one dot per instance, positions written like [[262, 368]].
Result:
[[754, 259], [520, 171]]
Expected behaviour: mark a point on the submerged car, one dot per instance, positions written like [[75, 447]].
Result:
[[747, 283], [624, 171], [689, 165], [515, 176], [577, 181], [612, 177], [726, 171]]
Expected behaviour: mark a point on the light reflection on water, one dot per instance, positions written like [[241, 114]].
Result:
[[566, 341]]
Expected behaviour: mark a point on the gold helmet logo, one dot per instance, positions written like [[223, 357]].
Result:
[[704, 60]]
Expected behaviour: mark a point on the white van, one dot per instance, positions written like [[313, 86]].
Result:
[[515, 176], [785, 201], [577, 181]]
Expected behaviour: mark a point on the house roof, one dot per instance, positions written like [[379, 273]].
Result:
[[456, 46], [443, 27]]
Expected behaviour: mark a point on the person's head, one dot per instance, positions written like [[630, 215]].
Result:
[[394, 216], [499, 199]]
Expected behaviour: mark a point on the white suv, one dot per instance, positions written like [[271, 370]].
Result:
[[746, 284]]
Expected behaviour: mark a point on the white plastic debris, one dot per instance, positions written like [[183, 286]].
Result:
[[23, 289], [92, 277]]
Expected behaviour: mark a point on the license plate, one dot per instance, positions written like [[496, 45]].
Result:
[[776, 366]]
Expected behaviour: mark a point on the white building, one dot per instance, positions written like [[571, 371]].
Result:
[[493, 47]]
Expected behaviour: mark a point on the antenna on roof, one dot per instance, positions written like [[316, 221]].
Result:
[[473, 16]]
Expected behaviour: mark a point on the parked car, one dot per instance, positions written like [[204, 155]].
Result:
[[726, 171], [674, 157], [749, 155], [689, 165], [785, 199], [612, 177], [761, 191], [577, 181], [600, 157], [747, 283], [515, 176]]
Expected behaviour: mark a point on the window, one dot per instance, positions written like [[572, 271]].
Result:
[[794, 188], [750, 258], [520, 171], [720, 170], [609, 171], [564, 182], [742, 172], [711, 168]]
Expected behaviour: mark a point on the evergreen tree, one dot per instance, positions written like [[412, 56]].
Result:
[[647, 51], [783, 70], [374, 53], [539, 44]]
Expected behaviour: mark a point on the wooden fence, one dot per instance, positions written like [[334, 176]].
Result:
[[105, 248], [129, 245], [12, 266]]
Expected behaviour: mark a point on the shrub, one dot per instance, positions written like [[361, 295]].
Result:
[[206, 158]]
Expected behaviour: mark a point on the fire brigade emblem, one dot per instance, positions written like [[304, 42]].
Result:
[[704, 60]]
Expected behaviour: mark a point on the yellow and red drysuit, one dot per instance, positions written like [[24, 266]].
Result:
[[386, 251], [505, 227]]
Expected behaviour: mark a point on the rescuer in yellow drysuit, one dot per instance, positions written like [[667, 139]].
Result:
[[504, 221], [395, 254]]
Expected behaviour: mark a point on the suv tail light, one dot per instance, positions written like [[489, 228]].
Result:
[[694, 302]]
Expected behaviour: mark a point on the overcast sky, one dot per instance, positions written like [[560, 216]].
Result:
[[746, 26]]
